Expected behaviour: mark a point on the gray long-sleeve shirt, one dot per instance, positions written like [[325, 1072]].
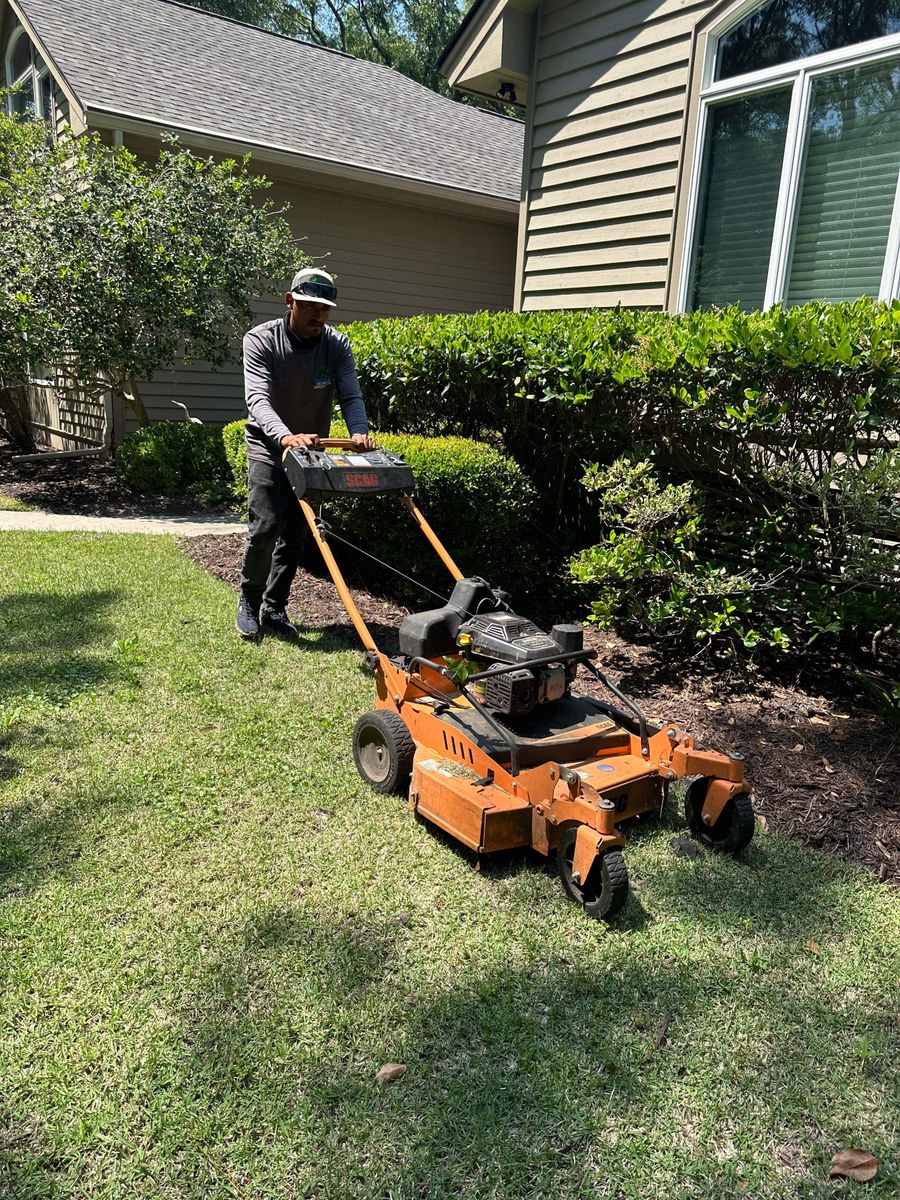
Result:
[[289, 384]]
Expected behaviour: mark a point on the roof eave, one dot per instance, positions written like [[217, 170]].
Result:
[[103, 118], [471, 15]]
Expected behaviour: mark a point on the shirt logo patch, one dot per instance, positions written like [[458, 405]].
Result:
[[323, 380]]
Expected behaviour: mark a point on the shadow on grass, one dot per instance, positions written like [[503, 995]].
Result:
[[49, 657], [43, 838], [334, 637], [516, 1077], [47, 639]]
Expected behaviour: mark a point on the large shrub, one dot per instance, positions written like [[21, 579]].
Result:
[[176, 458], [806, 564], [235, 446], [112, 265], [479, 502], [744, 473], [562, 390]]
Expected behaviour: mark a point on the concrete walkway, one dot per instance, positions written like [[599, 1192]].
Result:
[[181, 526]]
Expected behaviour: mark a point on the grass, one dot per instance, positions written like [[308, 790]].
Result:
[[212, 935], [12, 504]]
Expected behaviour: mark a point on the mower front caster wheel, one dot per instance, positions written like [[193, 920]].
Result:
[[605, 890], [383, 750], [732, 830]]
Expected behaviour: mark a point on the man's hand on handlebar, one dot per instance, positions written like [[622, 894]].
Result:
[[300, 441], [363, 441]]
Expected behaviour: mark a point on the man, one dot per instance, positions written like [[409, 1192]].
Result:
[[291, 367]]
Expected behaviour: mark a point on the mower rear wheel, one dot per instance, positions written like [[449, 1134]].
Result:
[[733, 829], [605, 890], [383, 750]]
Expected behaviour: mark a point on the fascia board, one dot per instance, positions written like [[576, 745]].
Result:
[[481, 17]]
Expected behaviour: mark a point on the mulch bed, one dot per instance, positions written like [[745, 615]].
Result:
[[86, 485], [825, 769]]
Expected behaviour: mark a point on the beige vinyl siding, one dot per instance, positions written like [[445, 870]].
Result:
[[609, 98], [389, 259]]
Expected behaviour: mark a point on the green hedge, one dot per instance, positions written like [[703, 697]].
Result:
[[568, 388], [479, 502], [176, 458], [235, 445], [784, 425]]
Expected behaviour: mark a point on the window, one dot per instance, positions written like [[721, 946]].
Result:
[[25, 71], [797, 175]]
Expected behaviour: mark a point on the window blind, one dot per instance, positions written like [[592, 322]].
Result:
[[852, 159], [739, 193]]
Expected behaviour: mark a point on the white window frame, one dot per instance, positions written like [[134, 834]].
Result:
[[37, 70], [799, 74]]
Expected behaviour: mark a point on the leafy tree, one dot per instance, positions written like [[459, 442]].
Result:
[[408, 35], [112, 267]]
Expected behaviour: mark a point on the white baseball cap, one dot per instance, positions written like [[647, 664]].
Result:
[[315, 286]]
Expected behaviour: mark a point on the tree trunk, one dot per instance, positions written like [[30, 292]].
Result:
[[15, 412], [131, 394]]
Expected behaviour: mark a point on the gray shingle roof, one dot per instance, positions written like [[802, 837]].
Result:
[[183, 68]]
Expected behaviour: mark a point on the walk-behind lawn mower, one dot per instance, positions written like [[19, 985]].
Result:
[[477, 717]]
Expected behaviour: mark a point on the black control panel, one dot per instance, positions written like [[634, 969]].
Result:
[[347, 472]]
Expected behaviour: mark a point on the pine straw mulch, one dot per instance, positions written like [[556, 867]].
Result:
[[825, 771]]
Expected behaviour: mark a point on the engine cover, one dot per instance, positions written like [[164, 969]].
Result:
[[505, 637]]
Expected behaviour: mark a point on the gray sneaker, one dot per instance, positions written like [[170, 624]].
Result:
[[247, 620], [275, 620]]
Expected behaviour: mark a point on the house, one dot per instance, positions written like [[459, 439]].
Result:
[[682, 154], [409, 198]]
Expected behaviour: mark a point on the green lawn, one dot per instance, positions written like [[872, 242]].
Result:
[[213, 935], [13, 504]]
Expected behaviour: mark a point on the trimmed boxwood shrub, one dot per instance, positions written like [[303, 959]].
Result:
[[479, 502], [176, 458], [235, 445]]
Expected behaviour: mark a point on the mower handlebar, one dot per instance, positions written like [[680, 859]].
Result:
[[326, 444]]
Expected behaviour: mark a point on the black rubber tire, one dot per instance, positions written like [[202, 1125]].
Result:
[[383, 750], [606, 888], [732, 831]]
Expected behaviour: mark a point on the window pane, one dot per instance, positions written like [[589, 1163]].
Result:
[[849, 184], [45, 84], [739, 193], [21, 102], [21, 56], [784, 30]]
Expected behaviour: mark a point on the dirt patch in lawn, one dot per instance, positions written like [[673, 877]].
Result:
[[89, 486], [825, 770]]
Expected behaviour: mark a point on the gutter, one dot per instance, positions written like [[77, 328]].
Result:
[[208, 139]]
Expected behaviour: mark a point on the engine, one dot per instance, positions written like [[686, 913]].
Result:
[[492, 638], [477, 625]]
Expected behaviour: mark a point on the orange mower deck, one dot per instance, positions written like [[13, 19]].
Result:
[[561, 779]]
